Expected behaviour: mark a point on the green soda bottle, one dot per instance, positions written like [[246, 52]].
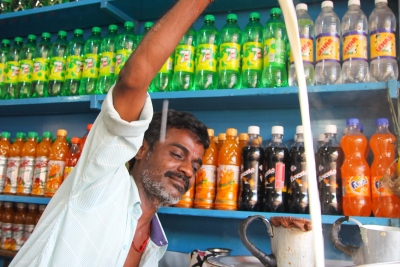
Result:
[[183, 77], [26, 67], [74, 64], [125, 45], [252, 52], [12, 69], [4, 50], [208, 40], [162, 81], [275, 54], [147, 26], [91, 63], [107, 61], [57, 64], [229, 54], [5, 6], [40, 75]]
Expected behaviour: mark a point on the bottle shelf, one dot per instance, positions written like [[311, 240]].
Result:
[[27, 199], [7, 253]]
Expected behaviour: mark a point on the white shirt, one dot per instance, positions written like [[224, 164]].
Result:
[[92, 218]]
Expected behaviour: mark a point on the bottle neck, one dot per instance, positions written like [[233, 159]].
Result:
[[354, 7], [331, 140], [381, 4], [253, 140], [277, 138], [327, 9], [353, 129], [299, 138], [382, 129]]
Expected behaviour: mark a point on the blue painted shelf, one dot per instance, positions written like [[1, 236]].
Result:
[[28, 199]]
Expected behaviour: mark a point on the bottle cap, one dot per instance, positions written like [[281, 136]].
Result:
[[32, 206], [148, 25], [96, 30], [253, 130], [354, 2], [327, 4], [62, 33], [32, 134], [78, 32], [75, 140], [210, 132], [301, 6], [380, 1], [231, 132], [89, 126], [5, 41], [277, 130], [5, 134], [32, 37], [46, 134], [113, 27], [231, 17], [209, 18], [321, 137], [129, 24], [20, 135], [352, 121], [243, 136], [61, 132], [331, 129], [382, 121], [46, 35], [221, 137], [215, 139], [255, 15], [18, 40], [276, 10], [299, 129]]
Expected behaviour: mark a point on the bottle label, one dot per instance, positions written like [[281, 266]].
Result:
[[229, 56], [274, 52], [383, 44], [2, 73], [167, 68], [91, 66], [57, 69], [107, 64], [355, 46], [11, 72], [307, 49], [356, 186], [40, 70], [74, 68], [121, 57], [252, 56], [12, 175], [6, 235], [228, 185], [328, 47], [184, 58], [378, 190], [55, 175], [25, 70], [205, 183], [299, 179], [28, 230], [67, 171], [39, 176], [17, 237], [25, 175], [3, 172], [207, 57]]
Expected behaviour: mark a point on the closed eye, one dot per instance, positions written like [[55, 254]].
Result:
[[177, 156]]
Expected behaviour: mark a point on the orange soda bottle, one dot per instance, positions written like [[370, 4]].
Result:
[[73, 156], [243, 140], [216, 141], [221, 140], [83, 140], [10, 187], [5, 147], [228, 173], [41, 162], [26, 168], [206, 176], [56, 165], [355, 172], [383, 145]]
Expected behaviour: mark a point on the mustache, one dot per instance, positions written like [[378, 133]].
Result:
[[181, 176]]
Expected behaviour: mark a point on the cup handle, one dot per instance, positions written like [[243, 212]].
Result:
[[349, 250]]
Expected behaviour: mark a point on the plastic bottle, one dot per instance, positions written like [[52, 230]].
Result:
[[5, 6], [243, 141], [298, 190], [275, 54], [40, 73], [12, 69], [26, 67], [26, 168], [107, 60], [57, 160], [252, 61], [355, 67], [30, 221], [183, 77], [125, 45], [277, 173], [229, 54], [83, 139], [355, 172], [327, 33], [39, 214], [41, 165], [73, 156], [382, 28], [221, 140], [7, 225], [306, 31], [330, 160], [208, 40], [57, 64], [228, 173], [206, 176], [5, 147], [18, 228], [13, 163], [91, 63], [251, 178], [4, 50], [74, 67], [383, 145], [147, 27]]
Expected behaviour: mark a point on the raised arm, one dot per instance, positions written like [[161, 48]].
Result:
[[135, 77]]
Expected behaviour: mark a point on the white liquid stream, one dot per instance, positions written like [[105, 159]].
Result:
[[289, 14]]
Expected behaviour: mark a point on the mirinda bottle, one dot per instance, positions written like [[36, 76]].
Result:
[[355, 172], [221, 140], [83, 140], [57, 159], [206, 176], [73, 156], [41, 162], [5, 147], [383, 144], [228, 173], [26, 168], [13, 163]]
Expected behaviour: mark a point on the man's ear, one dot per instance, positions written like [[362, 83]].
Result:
[[143, 150]]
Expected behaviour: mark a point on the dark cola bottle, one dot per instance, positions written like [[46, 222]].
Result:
[[276, 173], [330, 159], [298, 190], [251, 187]]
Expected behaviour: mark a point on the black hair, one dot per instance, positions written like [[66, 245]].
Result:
[[177, 120]]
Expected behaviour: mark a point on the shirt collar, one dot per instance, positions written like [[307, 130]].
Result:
[[157, 233]]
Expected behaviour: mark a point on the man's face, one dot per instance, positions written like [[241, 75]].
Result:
[[169, 170]]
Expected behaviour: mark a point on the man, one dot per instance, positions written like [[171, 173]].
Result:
[[102, 215]]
